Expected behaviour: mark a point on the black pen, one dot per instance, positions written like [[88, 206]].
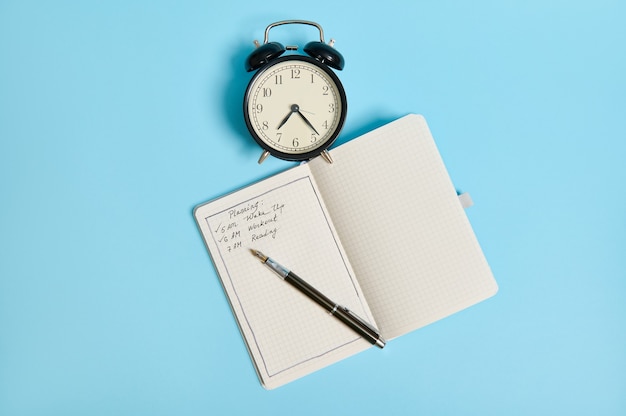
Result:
[[342, 313]]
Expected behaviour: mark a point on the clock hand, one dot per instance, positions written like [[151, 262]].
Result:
[[307, 122], [284, 120], [295, 108]]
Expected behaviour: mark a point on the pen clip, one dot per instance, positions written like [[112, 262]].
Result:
[[360, 320]]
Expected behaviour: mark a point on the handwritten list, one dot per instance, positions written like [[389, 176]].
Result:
[[250, 223]]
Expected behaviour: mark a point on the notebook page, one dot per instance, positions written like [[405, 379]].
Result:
[[287, 334], [399, 219]]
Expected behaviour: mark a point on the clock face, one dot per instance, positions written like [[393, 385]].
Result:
[[295, 107]]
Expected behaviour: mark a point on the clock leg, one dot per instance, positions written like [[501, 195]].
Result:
[[326, 156], [264, 155]]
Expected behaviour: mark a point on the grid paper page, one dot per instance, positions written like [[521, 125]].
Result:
[[287, 334], [401, 223]]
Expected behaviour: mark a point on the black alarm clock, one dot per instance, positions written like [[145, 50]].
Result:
[[295, 106]]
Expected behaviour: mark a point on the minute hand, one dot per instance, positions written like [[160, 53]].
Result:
[[307, 122]]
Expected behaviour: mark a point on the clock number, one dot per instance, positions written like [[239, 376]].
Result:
[[325, 89], [278, 80], [265, 125], [295, 142], [325, 124], [331, 107], [313, 138], [312, 79], [278, 137], [267, 92], [259, 108], [295, 74]]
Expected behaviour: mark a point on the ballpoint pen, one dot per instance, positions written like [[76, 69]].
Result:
[[342, 313]]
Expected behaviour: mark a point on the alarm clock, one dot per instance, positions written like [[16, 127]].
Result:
[[294, 105]]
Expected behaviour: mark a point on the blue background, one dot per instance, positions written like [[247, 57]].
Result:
[[117, 118]]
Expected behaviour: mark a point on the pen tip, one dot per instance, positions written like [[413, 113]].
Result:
[[258, 254]]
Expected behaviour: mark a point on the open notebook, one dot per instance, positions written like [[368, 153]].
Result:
[[380, 231]]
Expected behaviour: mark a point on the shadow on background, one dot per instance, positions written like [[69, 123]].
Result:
[[233, 94]]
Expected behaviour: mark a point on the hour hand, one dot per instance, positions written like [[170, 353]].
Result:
[[307, 122], [284, 120], [295, 108]]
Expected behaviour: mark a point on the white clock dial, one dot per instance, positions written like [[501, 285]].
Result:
[[295, 107]]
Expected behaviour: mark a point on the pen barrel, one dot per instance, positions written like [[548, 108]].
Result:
[[340, 312], [310, 291]]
